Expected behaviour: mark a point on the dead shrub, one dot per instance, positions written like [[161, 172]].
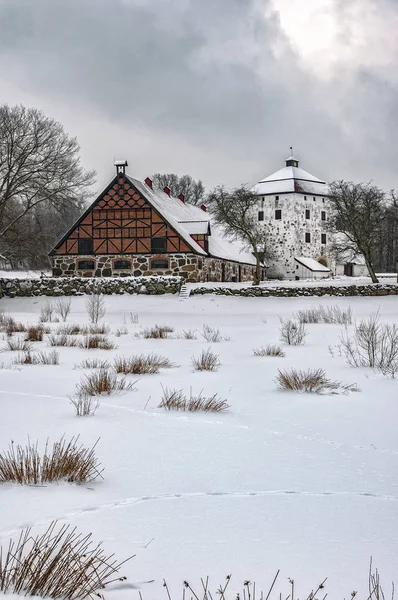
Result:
[[40, 358], [207, 361], [134, 318], [269, 350], [177, 400], [157, 332], [63, 307], [17, 344], [372, 344], [325, 314], [62, 340], [59, 563], [142, 364], [85, 405], [35, 334], [93, 363], [292, 332], [65, 460], [47, 312], [95, 306], [212, 334], [103, 383], [313, 381], [97, 342]]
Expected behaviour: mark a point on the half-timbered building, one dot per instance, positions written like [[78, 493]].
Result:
[[132, 228]]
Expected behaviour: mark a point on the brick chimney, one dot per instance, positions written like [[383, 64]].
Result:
[[148, 181], [181, 197], [166, 190], [203, 207]]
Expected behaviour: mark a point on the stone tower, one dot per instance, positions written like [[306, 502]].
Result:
[[293, 204]]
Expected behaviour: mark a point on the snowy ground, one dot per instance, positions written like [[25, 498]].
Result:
[[307, 484]]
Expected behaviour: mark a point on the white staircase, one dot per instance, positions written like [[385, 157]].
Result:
[[184, 292]]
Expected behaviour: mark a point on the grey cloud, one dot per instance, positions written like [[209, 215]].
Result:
[[203, 70]]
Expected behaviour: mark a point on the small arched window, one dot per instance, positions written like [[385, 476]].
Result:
[[122, 264], [85, 265], [159, 263]]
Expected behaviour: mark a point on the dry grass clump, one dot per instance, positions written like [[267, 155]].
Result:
[[251, 591], [93, 363], [325, 314], [59, 563], [313, 381], [177, 400], [65, 461], [10, 326], [134, 318], [95, 329], [62, 340], [212, 334], [70, 329], [292, 332], [34, 334], [63, 307], [372, 344], [188, 334], [97, 342], [157, 332], [40, 358], [102, 383], [269, 350], [121, 331], [85, 406], [207, 361], [17, 344], [142, 364]]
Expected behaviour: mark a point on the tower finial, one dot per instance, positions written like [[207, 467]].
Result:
[[291, 150]]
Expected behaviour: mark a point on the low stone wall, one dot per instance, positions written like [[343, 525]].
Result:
[[288, 292], [77, 286]]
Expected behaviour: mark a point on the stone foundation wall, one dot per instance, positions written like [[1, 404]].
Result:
[[192, 267], [77, 286]]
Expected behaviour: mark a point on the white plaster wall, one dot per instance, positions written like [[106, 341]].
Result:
[[287, 236]]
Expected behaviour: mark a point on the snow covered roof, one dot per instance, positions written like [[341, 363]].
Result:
[[291, 179], [187, 220], [311, 264]]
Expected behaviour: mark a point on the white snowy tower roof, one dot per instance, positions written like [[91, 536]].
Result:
[[291, 179]]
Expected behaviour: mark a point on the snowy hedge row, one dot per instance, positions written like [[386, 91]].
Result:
[[286, 292], [76, 286]]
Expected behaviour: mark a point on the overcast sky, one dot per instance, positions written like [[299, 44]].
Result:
[[218, 89]]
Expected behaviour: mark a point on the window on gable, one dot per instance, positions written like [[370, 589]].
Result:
[[323, 215], [159, 263], [323, 238], [85, 246], [278, 215], [158, 244], [122, 264], [261, 215], [307, 214], [308, 237], [83, 265]]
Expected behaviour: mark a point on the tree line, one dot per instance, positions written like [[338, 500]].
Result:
[[44, 188]]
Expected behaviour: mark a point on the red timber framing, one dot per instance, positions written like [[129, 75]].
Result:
[[121, 221]]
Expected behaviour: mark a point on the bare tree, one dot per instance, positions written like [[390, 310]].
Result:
[[193, 189], [39, 163], [95, 307], [358, 212], [236, 211]]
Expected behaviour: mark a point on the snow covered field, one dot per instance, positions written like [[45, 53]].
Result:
[[303, 483]]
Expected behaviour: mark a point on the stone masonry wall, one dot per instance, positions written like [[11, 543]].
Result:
[[288, 292], [192, 267], [77, 286]]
